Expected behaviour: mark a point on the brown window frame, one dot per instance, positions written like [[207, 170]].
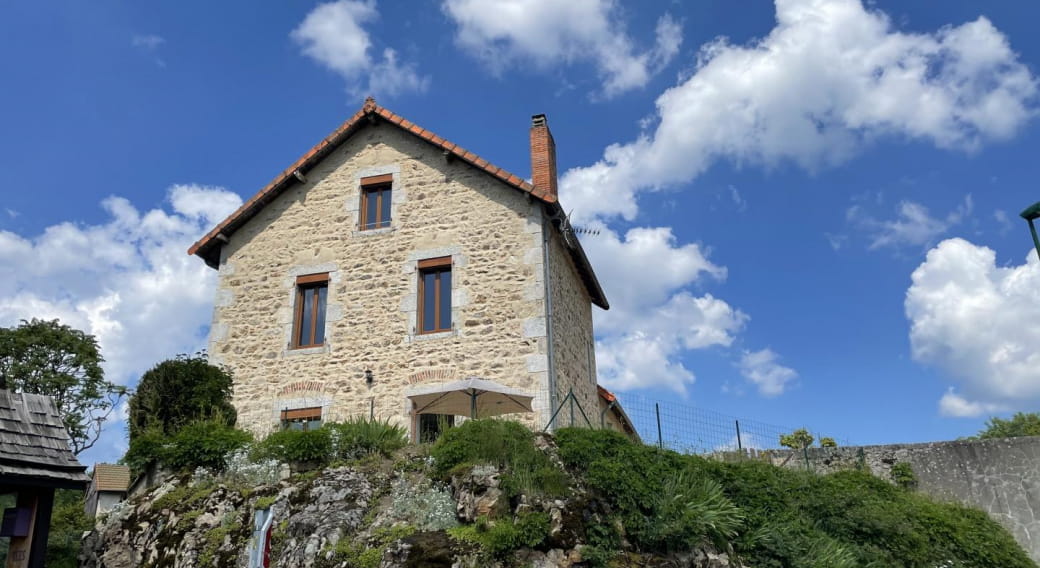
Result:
[[303, 283], [375, 185], [303, 415], [440, 264]]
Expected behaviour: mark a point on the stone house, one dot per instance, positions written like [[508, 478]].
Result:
[[387, 256]]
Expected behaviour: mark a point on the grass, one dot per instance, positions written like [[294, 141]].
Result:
[[501, 538], [504, 444]]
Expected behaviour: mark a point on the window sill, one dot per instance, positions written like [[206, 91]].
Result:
[[291, 352], [373, 232], [430, 336]]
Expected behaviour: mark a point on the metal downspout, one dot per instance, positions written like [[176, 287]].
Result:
[[546, 235]]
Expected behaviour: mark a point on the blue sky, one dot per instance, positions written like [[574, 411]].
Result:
[[808, 209]]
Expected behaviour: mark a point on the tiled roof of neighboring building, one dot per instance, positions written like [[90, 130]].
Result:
[[111, 477], [617, 410], [208, 247], [34, 446]]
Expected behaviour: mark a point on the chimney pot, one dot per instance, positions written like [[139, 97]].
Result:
[[543, 156]]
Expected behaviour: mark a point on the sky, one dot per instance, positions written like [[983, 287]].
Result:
[[807, 209]]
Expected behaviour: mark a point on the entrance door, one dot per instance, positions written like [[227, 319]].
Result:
[[432, 425]]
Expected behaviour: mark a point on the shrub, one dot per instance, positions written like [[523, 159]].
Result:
[[178, 392], [504, 444], [201, 444], [360, 436], [790, 518], [903, 475], [797, 440], [505, 536], [68, 523], [204, 444], [296, 446], [424, 505], [827, 442]]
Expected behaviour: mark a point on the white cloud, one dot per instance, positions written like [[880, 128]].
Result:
[[913, 226], [1003, 221], [829, 78], [762, 370], [149, 42], [333, 34], [952, 404], [547, 33], [122, 280], [654, 318], [980, 324]]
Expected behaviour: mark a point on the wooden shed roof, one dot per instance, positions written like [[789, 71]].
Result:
[[34, 446]]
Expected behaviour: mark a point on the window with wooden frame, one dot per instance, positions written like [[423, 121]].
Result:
[[375, 202], [302, 418], [435, 295], [312, 292]]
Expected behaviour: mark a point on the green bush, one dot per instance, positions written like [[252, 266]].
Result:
[[504, 444], [296, 446], [777, 517], [360, 436], [68, 523], [200, 444], [204, 444], [903, 475], [503, 537]]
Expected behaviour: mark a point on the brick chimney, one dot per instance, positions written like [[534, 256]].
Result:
[[543, 156]]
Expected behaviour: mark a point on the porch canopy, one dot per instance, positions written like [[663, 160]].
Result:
[[472, 397]]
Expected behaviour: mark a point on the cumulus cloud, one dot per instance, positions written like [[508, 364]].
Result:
[[761, 369], [829, 78], [654, 316], [122, 280], [333, 34], [913, 225], [547, 33], [980, 324]]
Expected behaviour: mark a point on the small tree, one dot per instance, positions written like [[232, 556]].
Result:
[[1021, 424], [827, 442], [179, 391], [797, 440], [48, 358]]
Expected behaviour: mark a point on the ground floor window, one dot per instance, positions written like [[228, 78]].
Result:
[[302, 418], [431, 426]]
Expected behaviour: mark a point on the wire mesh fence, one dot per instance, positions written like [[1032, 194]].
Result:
[[689, 429]]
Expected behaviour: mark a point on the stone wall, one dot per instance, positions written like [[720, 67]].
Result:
[[1001, 477], [493, 234], [573, 349]]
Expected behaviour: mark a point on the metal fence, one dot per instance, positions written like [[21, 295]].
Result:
[[692, 430]]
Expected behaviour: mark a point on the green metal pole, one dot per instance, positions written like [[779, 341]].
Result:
[[571, 395], [473, 406], [1036, 241]]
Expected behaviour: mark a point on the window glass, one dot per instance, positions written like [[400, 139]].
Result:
[[429, 299], [319, 324], [384, 202], [431, 426], [445, 299], [307, 317]]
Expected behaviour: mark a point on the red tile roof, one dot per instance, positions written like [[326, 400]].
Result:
[[208, 247]]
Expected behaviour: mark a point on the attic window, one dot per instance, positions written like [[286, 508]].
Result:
[[376, 192], [312, 292]]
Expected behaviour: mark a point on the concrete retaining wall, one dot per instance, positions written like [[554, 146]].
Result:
[[1001, 477]]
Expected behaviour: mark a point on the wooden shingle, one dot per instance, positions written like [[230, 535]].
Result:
[[33, 441]]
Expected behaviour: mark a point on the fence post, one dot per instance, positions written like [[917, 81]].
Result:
[[371, 409], [740, 446], [657, 411]]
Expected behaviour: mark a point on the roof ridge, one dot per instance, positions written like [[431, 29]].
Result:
[[369, 109]]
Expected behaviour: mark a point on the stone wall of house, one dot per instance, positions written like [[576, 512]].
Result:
[[573, 348], [492, 232], [999, 476]]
